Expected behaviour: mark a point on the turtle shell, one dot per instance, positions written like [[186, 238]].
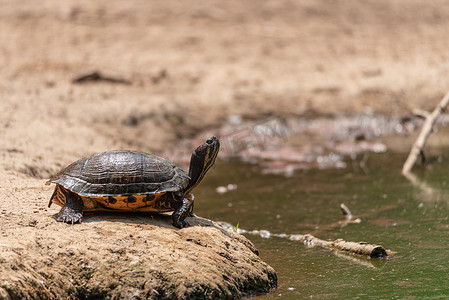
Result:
[[121, 173]]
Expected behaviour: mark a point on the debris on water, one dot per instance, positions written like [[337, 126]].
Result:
[[265, 234], [221, 189], [281, 235], [295, 237], [232, 187], [348, 148], [349, 217], [346, 212], [359, 248], [330, 160], [225, 189], [241, 231], [280, 168]]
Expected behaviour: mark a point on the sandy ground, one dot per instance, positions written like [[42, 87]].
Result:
[[192, 67]]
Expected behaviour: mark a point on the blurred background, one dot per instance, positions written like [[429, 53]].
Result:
[[170, 71]]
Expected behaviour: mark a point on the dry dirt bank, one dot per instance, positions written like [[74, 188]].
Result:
[[125, 257], [192, 67]]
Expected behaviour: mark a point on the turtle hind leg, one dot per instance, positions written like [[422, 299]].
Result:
[[72, 211], [181, 213]]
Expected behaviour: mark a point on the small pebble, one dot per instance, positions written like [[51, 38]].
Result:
[[221, 189], [225, 189]]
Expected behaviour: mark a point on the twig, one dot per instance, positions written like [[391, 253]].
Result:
[[418, 146], [346, 212], [97, 76], [349, 217]]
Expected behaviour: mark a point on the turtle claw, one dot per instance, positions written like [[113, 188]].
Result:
[[72, 219], [72, 211], [184, 224], [69, 216], [181, 224]]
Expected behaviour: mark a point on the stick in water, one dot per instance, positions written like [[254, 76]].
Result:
[[361, 248], [426, 130]]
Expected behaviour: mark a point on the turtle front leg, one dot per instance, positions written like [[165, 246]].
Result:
[[181, 213], [191, 198], [191, 214], [72, 211]]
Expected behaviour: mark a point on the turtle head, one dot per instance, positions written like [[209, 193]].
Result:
[[203, 158]]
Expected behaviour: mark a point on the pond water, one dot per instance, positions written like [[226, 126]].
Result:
[[408, 217]]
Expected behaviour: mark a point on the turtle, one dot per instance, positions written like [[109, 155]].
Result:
[[127, 180]]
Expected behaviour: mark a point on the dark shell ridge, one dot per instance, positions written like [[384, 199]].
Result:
[[121, 172]]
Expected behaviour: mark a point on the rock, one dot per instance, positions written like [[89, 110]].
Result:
[[127, 256]]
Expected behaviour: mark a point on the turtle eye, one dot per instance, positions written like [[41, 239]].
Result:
[[209, 141]]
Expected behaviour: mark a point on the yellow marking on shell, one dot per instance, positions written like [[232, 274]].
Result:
[[122, 204], [59, 198], [142, 202]]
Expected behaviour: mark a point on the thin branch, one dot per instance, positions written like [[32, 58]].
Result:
[[346, 212], [426, 130], [349, 217]]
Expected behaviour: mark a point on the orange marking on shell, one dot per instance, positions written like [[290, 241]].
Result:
[[122, 204], [58, 199]]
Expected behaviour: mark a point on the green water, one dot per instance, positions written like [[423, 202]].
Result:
[[401, 216]]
